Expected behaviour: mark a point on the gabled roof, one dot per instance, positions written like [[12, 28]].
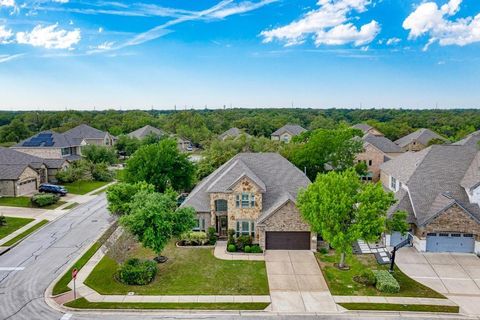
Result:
[[471, 140], [82, 132], [274, 174], [232, 132], [383, 144], [12, 171], [363, 126], [13, 157], [434, 178], [423, 136], [145, 131], [293, 129]]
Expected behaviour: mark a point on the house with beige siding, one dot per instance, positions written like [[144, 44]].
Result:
[[419, 140], [254, 194], [367, 129], [439, 188], [287, 132]]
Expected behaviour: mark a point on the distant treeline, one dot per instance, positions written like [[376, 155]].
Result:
[[201, 125]]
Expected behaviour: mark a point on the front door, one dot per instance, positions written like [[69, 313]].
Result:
[[222, 226]]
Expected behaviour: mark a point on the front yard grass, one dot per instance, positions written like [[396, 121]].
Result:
[[188, 271], [83, 187], [25, 233], [12, 225], [24, 202], [341, 282], [400, 307], [82, 303]]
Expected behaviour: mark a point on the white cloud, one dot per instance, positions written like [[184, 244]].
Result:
[[50, 37], [7, 3], [107, 45], [5, 35], [60, 1], [393, 41], [5, 57], [329, 24], [238, 8], [428, 19]]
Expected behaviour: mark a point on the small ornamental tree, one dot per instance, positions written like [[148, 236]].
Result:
[[99, 154], [398, 222], [120, 195], [342, 209], [154, 219]]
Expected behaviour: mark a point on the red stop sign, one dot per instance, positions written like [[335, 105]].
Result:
[[74, 273]]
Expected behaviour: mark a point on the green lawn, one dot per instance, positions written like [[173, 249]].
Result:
[[25, 202], [71, 206], [25, 233], [341, 282], [400, 307], [189, 271], [12, 225], [82, 303], [62, 285], [120, 175], [83, 187]]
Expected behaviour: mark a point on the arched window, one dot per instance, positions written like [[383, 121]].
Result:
[[221, 205]]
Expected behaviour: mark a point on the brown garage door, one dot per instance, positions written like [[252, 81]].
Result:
[[283, 240]]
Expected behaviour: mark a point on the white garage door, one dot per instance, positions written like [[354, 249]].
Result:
[[27, 187]]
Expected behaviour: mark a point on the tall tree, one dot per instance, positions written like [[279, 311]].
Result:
[[120, 195], [161, 165], [99, 154], [342, 209]]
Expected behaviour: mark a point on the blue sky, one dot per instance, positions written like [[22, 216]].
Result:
[[57, 54]]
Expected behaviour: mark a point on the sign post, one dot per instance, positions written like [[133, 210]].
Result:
[[74, 277]]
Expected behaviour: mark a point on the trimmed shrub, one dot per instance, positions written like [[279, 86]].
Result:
[[231, 248], [243, 241], [137, 272], [100, 172], [231, 236], [212, 237], [256, 249], [366, 277], [247, 249], [44, 199], [385, 282], [194, 238]]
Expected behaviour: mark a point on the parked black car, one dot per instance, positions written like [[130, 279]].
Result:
[[51, 188]]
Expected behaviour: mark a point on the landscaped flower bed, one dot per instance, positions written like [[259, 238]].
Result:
[[241, 244], [198, 239]]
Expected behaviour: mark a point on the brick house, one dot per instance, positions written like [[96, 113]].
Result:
[[287, 132], [367, 129], [376, 151], [418, 140], [439, 187], [254, 194]]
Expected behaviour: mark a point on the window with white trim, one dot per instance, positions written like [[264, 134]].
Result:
[[200, 224], [245, 200], [393, 183], [245, 228]]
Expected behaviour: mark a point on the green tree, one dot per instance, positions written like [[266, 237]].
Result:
[[3, 220], [127, 145], [398, 222], [342, 209], [154, 219], [120, 195], [99, 154], [321, 150], [162, 165]]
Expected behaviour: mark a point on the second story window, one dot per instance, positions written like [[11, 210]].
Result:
[[245, 200], [65, 151], [221, 205], [393, 183]]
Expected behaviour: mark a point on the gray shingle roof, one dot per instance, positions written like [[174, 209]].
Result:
[[276, 175], [12, 157], [145, 131], [293, 129], [424, 136], [362, 126], [11, 171], [232, 132], [384, 144], [471, 140], [434, 179]]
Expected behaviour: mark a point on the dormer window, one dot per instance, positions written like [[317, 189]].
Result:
[[245, 200]]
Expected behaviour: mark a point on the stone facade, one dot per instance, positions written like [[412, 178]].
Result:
[[286, 218], [46, 153], [374, 158], [284, 137], [454, 219], [414, 146], [9, 188]]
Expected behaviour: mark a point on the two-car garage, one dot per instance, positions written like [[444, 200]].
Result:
[[450, 242], [287, 240]]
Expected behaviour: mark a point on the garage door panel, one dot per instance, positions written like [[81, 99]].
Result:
[[450, 242], [27, 187], [283, 240]]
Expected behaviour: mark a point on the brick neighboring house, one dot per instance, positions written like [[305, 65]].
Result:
[[418, 140], [67, 145], [367, 129], [232, 133], [287, 132], [254, 194], [376, 151], [22, 174], [439, 187]]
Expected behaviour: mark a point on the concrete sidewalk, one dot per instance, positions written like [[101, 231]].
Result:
[[393, 300]]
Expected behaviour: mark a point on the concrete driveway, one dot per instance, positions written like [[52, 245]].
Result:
[[296, 283], [456, 275]]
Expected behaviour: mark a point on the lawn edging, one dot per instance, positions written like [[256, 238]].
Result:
[[394, 307], [60, 285], [18, 238]]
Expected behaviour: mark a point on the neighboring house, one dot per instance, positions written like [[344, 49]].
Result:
[[376, 151], [67, 145], [367, 129], [287, 132], [439, 187], [254, 194], [183, 144], [418, 140], [232, 133], [145, 131], [471, 140], [21, 173]]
